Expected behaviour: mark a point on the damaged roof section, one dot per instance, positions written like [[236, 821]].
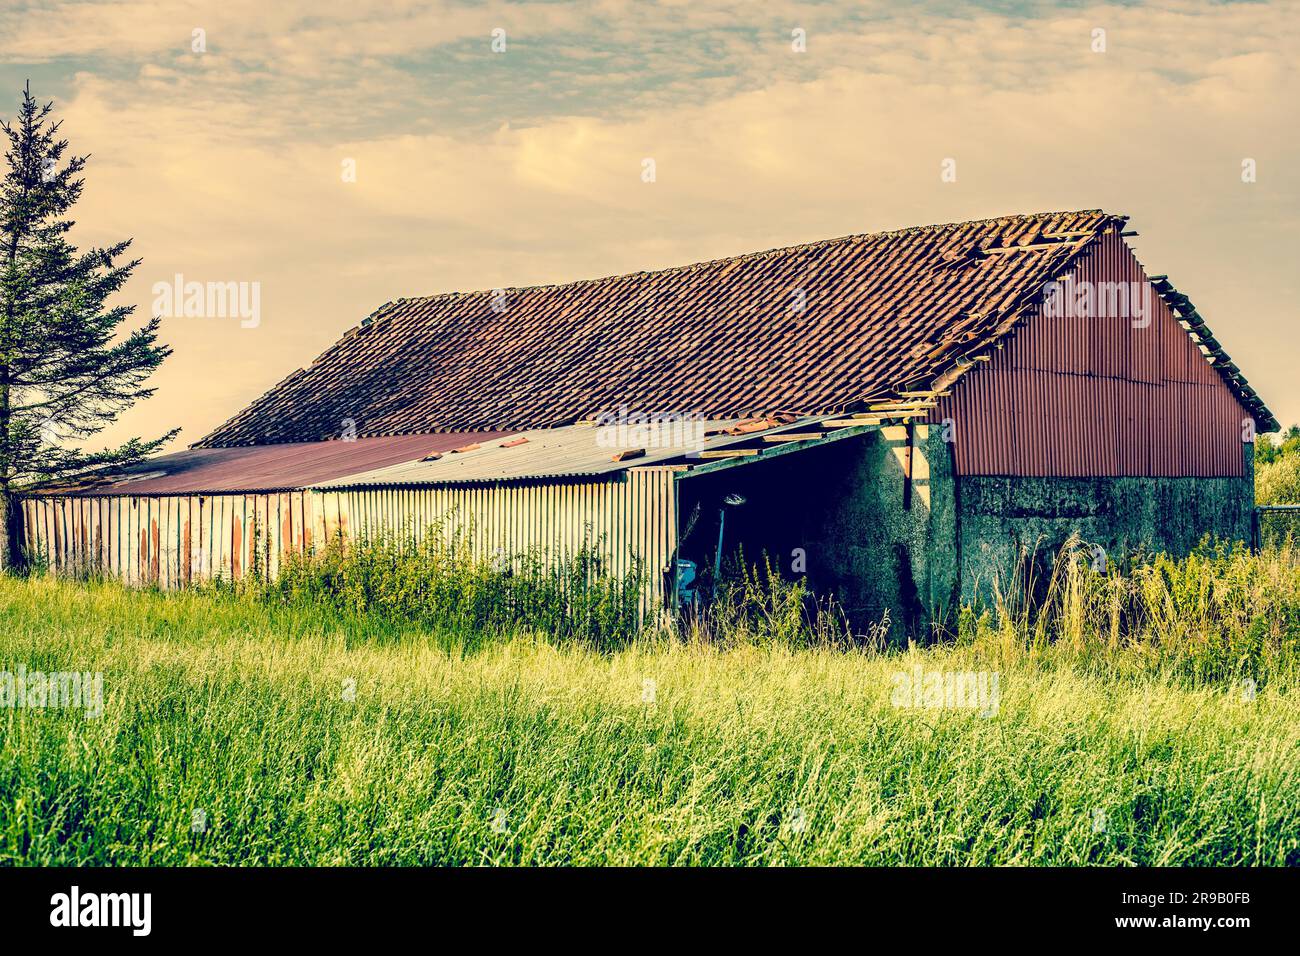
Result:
[[822, 328], [584, 450], [1185, 312], [589, 451]]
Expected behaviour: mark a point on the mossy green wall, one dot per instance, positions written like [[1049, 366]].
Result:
[[883, 554], [841, 510], [999, 518]]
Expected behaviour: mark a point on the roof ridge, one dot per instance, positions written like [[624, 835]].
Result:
[[751, 256]]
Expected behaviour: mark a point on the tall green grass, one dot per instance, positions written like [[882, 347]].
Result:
[[438, 579], [757, 606], [305, 732], [1221, 613]]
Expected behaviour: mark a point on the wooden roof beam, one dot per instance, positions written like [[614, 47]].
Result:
[[731, 452], [1034, 247]]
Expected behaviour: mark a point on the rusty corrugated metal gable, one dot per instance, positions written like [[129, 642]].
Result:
[[1098, 396]]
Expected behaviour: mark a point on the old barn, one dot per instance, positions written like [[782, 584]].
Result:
[[896, 415]]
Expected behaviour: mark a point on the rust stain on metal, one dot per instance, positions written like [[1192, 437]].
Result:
[[236, 545]]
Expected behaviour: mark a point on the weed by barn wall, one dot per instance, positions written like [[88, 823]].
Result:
[[842, 516]]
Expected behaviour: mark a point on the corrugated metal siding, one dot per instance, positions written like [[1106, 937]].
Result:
[[1094, 396], [170, 541], [629, 518]]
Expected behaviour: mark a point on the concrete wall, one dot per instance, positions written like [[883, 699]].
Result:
[[999, 516], [844, 506]]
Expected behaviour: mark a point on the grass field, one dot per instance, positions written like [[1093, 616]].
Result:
[[235, 732]]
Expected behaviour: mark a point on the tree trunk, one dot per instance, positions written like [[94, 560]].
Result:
[[13, 558]]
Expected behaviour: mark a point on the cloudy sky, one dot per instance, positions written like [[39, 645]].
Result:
[[224, 151]]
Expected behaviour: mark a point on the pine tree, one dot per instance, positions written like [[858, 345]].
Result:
[[67, 367]]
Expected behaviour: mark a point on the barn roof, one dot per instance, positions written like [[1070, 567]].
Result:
[[588, 450], [271, 467], [817, 329]]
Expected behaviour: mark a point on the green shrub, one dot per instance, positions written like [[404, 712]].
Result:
[[1278, 483]]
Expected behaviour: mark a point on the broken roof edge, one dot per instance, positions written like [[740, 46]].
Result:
[[831, 437], [1186, 314], [968, 355], [1182, 309], [379, 314], [573, 460]]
